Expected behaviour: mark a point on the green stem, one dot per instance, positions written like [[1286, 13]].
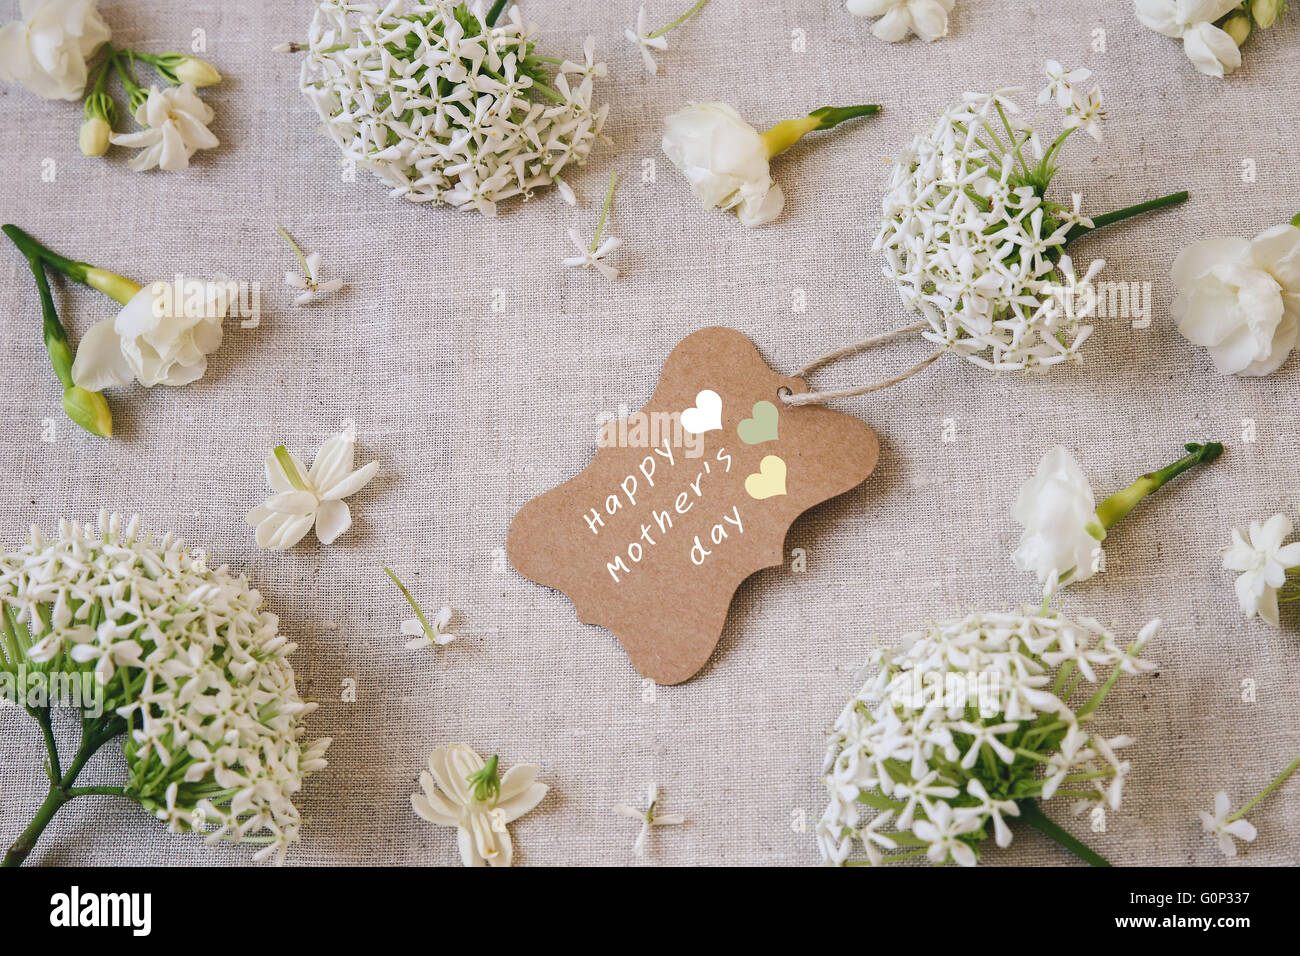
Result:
[[111, 284], [1128, 212], [679, 21], [1117, 506], [306, 270], [491, 19], [428, 630], [788, 132], [604, 210], [1277, 782], [1032, 814], [94, 736]]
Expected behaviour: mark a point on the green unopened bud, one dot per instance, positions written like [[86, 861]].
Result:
[[93, 137], [111, 284], [1266, 12], [191, 69], [1238, 27], [89, 410], [1295, 221]]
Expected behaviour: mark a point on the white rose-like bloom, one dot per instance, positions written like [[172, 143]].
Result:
[[47, 51], [449, 800], [1241, 299], [1059, 514], [725, 161], [928, 19], [155, 339], [1211, 50], [176, 127]]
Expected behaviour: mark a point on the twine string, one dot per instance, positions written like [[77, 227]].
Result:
[[821, 398]]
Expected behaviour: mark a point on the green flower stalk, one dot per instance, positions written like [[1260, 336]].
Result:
[[1115, 508], [86, 408], [788, 132]]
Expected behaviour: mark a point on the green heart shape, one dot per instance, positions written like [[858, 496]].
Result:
[[760, 428]]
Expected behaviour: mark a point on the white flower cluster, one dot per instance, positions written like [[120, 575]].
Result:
[[442, 109], [962, 721], [974, 246], [191, 664]]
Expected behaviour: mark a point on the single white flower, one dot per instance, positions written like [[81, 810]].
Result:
[[1223, 830], [302, 498], [1057, 509], [944, 832], [1061, 84], [649, 817], [1211, 50], [175, 125], [462, 790], [434, 634], [928, 19], [642, 38], [158, 338], [1086, 112], [1263, 561], [725, 161], [588, 257], [309, 281], [1241, 299], [47, 50]]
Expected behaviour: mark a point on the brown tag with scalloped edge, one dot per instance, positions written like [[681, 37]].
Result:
[[685, 499]]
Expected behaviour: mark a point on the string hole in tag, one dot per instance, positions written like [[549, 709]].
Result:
[[784, 393]]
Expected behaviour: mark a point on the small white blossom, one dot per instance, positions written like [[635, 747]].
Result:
[[302, 498], [175, 125], [725, 161], [588, 258], [1086, 112], [463, 790], [642, 38], [650, 816], [1223, 830], [1263, 561], [310, 282], [421, 637], [1061, 84]]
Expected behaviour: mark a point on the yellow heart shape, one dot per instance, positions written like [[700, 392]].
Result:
[[769, 481]]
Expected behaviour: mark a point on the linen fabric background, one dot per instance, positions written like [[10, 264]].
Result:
[[472, 411]]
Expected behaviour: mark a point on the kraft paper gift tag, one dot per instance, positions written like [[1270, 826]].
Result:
[[687, 498]]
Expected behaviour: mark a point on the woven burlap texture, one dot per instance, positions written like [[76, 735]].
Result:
[[476, 370]]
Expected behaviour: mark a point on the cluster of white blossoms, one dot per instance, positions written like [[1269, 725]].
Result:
[[443, 109], [972, 243], [962, 723], [191, 668]]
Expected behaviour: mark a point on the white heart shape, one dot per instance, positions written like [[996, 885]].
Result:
[[706, 416]]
